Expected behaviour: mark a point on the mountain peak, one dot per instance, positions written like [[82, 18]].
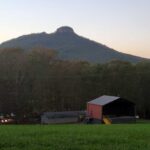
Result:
[[70, 46], [65, 29]]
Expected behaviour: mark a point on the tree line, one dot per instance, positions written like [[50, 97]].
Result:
[[37, 81]]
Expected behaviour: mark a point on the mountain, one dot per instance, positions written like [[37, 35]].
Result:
[[70, 46]]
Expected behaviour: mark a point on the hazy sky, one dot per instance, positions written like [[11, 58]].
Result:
[[120, 24]]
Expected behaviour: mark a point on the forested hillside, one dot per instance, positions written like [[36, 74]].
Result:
[[37, 81]]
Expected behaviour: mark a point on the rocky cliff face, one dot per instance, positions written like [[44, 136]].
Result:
[[65, 29]]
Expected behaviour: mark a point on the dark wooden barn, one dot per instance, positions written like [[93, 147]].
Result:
[[111, 109]]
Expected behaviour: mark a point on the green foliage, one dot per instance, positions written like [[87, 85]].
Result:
[[75, 137], [34, 82]]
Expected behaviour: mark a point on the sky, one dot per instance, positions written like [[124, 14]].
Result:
[[123, 25]]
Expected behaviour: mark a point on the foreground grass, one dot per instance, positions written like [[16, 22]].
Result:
[[75, 137]]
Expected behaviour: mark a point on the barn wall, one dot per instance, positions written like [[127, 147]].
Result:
[[94, 111], [119, 108]]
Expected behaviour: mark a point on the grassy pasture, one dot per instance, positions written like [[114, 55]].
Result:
[[75, 137]]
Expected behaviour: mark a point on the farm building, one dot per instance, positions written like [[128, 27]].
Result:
[[111, 109], [62, 117]]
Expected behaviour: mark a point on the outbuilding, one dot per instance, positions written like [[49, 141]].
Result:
[[111, 109], [62, 117]]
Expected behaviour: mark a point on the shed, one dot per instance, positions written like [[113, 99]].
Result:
[[62, 117], [111, 109]]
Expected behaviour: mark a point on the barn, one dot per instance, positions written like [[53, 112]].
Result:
[[111, 109]]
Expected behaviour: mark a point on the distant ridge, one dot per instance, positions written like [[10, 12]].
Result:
[[70, 46]]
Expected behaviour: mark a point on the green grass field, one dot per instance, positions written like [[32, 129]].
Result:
[[75, 137]]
